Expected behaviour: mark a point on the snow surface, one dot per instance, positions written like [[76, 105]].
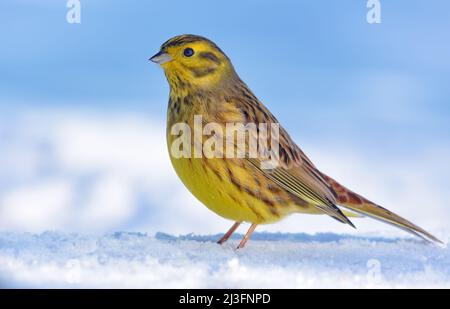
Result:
[[61, 169], [270, 260]]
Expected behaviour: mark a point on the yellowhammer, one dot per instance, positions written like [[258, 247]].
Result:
[[205, 86]]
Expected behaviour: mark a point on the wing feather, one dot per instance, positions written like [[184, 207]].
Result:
[[296, 173], [295, 186]]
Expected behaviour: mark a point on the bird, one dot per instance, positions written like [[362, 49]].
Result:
[[204, 84]]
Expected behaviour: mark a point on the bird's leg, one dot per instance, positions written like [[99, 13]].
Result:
[[247, 236], [229, 233]]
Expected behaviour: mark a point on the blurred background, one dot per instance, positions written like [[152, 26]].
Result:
[[82, 110]]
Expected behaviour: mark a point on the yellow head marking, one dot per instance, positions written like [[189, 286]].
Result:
[[195, 61]]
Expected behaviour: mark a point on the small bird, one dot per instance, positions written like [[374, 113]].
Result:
[[204, 82]]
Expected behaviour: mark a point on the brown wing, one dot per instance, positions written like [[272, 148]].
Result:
[[295, 173]]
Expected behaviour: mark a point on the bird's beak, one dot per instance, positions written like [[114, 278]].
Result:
[[161, 58]]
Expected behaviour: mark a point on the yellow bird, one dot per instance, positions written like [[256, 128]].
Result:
[[203, 82]]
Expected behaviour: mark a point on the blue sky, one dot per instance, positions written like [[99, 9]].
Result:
[[338, 84], [318, 65]]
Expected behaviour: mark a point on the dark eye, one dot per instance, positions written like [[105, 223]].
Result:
[[188, 52]]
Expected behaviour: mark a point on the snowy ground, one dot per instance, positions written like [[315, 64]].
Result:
[[92, 172], [270, 260]]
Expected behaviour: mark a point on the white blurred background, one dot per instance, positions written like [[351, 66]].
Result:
[[99, 171]]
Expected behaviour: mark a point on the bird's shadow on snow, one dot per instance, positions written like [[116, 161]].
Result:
[[289, 237]]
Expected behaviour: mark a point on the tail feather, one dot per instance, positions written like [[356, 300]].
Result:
[[359, 204]]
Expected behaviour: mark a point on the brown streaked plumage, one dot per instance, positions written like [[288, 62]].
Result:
[[203, 82]]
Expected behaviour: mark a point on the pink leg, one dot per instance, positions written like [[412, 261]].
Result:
[[247, 236], [229, 233]]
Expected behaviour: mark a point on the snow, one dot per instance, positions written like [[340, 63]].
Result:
[[270, 260], [61, 170]]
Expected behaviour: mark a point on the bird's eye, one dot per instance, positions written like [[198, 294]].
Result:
[[188, 52]]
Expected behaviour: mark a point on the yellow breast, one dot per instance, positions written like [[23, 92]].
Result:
[[228, 186], [207, 181]]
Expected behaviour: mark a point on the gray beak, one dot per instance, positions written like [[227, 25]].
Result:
[[161, 58]]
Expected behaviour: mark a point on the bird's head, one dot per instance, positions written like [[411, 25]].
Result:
[[192, 60]]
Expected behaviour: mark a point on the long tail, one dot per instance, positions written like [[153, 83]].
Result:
[[359, 204]]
